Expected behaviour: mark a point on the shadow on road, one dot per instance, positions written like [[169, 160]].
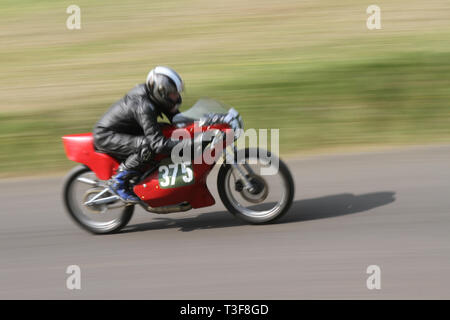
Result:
[[301, 210]]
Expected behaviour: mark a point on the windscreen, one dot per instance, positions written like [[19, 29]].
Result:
[[202, 106]]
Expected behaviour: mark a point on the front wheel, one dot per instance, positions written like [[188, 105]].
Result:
[[261, 190], [82, 185]]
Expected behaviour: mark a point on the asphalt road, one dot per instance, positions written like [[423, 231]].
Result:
[[390, 209]]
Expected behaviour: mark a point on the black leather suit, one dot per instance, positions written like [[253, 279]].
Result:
[[129, 130]]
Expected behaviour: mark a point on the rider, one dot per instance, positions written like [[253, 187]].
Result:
[[129, 130]]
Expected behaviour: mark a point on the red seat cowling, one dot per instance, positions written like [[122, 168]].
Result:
[[80, 148]]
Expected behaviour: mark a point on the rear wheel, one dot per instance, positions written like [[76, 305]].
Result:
[[268, 198], [82, 185]]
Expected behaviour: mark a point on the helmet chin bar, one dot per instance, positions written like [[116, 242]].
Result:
[[176, 103], [175, 108]]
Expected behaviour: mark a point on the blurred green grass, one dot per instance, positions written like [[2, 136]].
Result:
[[311, 69]]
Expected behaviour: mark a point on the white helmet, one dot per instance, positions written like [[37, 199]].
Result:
[[165, 87]]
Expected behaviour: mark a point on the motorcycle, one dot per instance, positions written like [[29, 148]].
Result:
[[168, 186]]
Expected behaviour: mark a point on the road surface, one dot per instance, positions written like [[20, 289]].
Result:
[[389, 208]]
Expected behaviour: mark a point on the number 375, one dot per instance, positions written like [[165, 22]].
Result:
[[168, 174]]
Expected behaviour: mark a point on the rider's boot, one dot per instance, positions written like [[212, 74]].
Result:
[[120, 185]]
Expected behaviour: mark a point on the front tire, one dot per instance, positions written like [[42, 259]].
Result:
[[250, 215], [77, 210]]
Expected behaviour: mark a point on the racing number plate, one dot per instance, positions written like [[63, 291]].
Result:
[[174, 175]]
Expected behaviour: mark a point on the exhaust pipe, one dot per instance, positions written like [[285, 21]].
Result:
[[184, 206]]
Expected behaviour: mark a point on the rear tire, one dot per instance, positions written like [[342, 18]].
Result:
[[77, 214]]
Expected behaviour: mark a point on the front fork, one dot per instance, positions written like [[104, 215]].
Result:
[[242, 170]]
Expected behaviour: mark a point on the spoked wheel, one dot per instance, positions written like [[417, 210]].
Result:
[[259, 198], [81, 186]]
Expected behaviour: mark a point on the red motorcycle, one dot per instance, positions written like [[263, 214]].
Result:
[[169, 186]]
